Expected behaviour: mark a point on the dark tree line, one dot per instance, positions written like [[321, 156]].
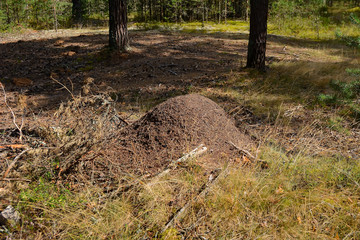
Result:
[[78, 11], [39, 14], [33, 13], [45, 13], [191, 10], [219, 10]]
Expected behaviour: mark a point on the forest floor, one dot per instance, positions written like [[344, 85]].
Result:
[[166, 64], [280, 110]]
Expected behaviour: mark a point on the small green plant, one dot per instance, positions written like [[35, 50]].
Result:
[[171, 233], [336, 123], [353, 71], [344, 94], [3, 24], [353, 41], [347, 93], [46, 193]]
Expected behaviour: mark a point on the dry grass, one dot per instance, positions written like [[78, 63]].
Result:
[[296, 197], [79, 125], [309, 188], [285, 86], [92, 214]]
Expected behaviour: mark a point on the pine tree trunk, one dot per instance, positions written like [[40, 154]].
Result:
[[247, 10], [118, 33], [77, 11], [8, 19], [219, 11], [55, 16], [203, 14], [142, 10], [225, 11], [150, 10], [162, 10], [258, 34]]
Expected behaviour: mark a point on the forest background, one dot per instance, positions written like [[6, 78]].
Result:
[[303, 114], [316, 19]]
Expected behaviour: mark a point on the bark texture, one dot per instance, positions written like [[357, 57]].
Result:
[[77, 11], [258, 34], [118, 32]]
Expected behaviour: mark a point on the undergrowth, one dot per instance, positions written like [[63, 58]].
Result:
[[292, 191], [346, 94], [300, 28], [282, 195], [296, 196]]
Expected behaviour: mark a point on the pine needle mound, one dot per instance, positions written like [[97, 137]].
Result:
[[171, 129]]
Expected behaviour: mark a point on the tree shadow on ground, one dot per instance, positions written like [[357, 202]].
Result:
[[159, 66]]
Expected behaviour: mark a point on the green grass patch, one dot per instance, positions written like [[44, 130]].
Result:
[[302, 28], [196, 27]]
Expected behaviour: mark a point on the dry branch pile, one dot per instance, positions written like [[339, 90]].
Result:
[[93, 144]]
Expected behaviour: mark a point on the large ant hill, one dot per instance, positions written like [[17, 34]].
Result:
[[171, 129]]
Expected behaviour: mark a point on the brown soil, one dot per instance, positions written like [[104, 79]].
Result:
[[160, 65], [172, 128]]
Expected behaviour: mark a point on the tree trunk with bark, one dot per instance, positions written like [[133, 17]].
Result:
[[118, 32], [258, 34], [55, 16], [8, 19], [246, 10], [77, 11]]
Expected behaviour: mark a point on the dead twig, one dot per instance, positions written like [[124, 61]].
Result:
[[243, 151], [15, 180], [13, 146], [13, 114], [203, 191], [172, 72], [12, 164], [66, 88], [121, 119], [194, 153]]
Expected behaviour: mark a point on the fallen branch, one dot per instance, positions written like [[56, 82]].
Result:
[[194, 153], [172, 72], [13, 114], [203, 191], [12, 164], [13, 146], [243, 151], [63, 85], [15, 179]]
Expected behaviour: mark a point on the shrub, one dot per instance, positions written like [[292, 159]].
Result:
[[3, 24], [346, 94]]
